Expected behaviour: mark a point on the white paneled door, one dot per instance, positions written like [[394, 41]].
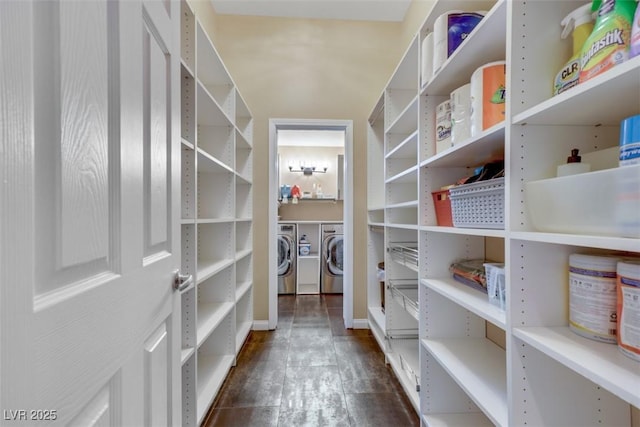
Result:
[[89, 214]]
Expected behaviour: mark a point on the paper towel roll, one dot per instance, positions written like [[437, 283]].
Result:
[[427, 59], [487, 96], [460, 114], [440, 34], [443, 126], [450, 29]]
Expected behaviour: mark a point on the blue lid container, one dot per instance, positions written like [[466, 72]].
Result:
[[630, 141]]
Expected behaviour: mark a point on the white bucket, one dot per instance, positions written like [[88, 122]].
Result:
[[488, 96], [460, 114], [593, 297], [450, 29], [443, 126], [426, 55], [629, 308]]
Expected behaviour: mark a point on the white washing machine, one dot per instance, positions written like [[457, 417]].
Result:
[[286, 259], [332, 258]]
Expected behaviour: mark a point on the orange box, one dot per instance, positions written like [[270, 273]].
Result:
[[442, 204]]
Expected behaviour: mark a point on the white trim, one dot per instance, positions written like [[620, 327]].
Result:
[[272, 278], [260, 325], [360, 323], [347, 126]]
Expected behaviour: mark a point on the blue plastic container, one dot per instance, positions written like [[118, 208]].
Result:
[[630, 141]]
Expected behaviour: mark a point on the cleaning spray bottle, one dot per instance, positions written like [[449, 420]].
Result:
[[580, 21], [634, 50], [608, 44]]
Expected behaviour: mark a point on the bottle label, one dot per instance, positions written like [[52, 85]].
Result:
[[630, 154], [567, 77], [605, 49], [493, 95]]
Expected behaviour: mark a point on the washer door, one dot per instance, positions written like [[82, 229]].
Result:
[[284, 255], [334, 254]]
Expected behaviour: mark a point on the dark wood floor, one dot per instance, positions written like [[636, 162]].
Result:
[[310, 371]]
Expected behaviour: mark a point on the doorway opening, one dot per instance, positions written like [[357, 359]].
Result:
[[316, 171]]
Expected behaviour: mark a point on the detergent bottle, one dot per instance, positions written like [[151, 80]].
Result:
[[608, 44], [580, 22], [635, 35]]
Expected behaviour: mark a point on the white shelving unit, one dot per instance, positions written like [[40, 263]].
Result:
[[308, 266], [476, 364], [217, 227]]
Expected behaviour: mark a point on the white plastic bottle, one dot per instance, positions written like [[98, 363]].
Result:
[[574, 165]]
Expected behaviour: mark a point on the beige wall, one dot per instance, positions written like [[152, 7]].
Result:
[[319, 156], [312, 210], [308, 69]]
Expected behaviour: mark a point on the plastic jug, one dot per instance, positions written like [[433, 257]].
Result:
[[580, 23]]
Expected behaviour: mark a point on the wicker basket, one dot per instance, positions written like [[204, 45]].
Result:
[[479, 204]]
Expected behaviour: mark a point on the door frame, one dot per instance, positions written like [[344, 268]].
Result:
[[347, 217]]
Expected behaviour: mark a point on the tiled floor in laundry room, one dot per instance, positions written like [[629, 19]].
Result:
[[311, 371]]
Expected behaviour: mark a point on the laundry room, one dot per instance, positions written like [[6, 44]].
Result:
[[310, 210]]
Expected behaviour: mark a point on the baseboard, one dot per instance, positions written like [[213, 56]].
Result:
[[360, 323], [260, 325]]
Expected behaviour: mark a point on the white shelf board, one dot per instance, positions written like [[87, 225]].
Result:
[[378, 334], [407, 149], [375, 208], [207, 268], [187, 221], [378, 110], [242, 332], [209, 112], [242, 141], [482, 148], [312, 255], [210, 60], [405, 177], [377, 225], [212, 371], [603, 100], [408, 265], [187, 145], [209, 164], [478, 366], [485, 232], [409, 204], [378, 316], [409, 350], [243, 253], [486, 43], [601, 363], [186, 68], [602, 242], [244, 180], [209, 317], [469, 298], [185, 354], [401, 226], [248, 219], [242, 289], [470, 419], [407, 120], [215, 220]]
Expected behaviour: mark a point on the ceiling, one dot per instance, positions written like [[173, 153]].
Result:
[[358, 10]]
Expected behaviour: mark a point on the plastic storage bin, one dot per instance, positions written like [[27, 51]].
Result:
[[442, 205], [603, 202], [494, 273], [478, 205]]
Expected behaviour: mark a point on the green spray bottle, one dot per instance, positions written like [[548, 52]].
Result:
[[580, 22], [608, 44]]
